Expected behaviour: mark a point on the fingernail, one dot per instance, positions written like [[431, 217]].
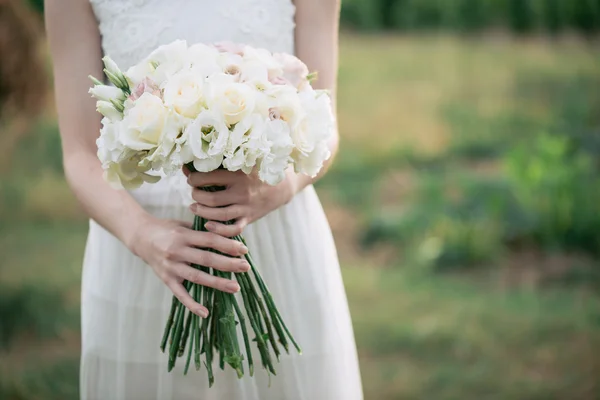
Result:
[[244, 266], [232, 287], [210, 225], [243, 249], [203, 313]]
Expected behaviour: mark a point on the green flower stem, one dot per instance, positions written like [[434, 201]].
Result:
[[186, 330], [218, 332], [240, 315], [165, 338], [194, 329], [176, 337], [270, 333], [268, 298], [262, 347]]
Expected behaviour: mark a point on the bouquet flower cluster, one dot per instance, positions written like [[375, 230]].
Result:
[[207, 107]]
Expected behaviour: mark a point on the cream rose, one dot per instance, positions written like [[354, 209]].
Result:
[[184, 92], [161, 64], [232, 99], [146, 122]]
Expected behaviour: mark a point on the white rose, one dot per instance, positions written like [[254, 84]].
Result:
[[230, 63], [107, 93], [285, 103], [206, 138], [161, 64], [109, 111], [147, 122], [184, 92], [203, 59], [232, 99], [294, 70]]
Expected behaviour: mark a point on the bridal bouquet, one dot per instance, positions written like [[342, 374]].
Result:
[[208, 107]]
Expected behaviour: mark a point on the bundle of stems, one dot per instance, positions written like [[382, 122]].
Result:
[[216, 337]]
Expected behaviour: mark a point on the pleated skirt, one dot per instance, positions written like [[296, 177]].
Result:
[[125, 307]]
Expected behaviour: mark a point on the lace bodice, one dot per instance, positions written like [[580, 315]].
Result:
[[131, 29]]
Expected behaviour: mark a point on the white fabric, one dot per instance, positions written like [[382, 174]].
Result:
[[124, 305]]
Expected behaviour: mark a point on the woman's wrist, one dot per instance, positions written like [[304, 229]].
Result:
[[134, 227], [293, 184]]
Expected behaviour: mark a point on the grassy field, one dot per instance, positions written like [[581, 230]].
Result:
[[452, 296]]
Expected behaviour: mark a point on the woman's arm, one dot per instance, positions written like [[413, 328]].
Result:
[[75, 47], [317, 28], [167, 246]]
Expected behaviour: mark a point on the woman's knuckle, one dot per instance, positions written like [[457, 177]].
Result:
[[170, 251], [164, 276], [231, 213], [239, 226]]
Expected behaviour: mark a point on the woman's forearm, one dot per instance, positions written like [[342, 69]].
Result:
[[114, 209]]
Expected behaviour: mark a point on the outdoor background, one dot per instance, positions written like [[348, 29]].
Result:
[[465, 203]]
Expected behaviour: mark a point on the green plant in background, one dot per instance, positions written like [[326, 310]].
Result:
[[519, 16], [559, 186]]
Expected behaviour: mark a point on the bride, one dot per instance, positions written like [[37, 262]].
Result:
[[140, 244]]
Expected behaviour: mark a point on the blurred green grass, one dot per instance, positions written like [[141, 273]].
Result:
[[456, 288]]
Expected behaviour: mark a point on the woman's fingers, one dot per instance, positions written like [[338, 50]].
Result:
[[202, 278], [213, 260], [213, 240], [227, 230], [217, 214], [219, 177], [187, 300], [214, 199]]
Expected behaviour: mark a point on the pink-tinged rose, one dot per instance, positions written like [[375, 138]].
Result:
[[145, 86], [279, 80], [230, 47], [294, 70], [274, 113]]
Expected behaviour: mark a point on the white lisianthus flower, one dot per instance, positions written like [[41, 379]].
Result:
[[127, 174], [247, 144], [206, 138], [232, 99], [147, 123], [311, 136], [114, 74], [107, 109], [316, 125], [107, 93], [161, 64], [310, 164], [184, 93], [110, 147], [274, 164]]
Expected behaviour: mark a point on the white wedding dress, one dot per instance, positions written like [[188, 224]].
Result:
[[125, 306]]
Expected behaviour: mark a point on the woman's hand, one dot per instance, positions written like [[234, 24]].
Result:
[[169, 247], [245, 198]]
